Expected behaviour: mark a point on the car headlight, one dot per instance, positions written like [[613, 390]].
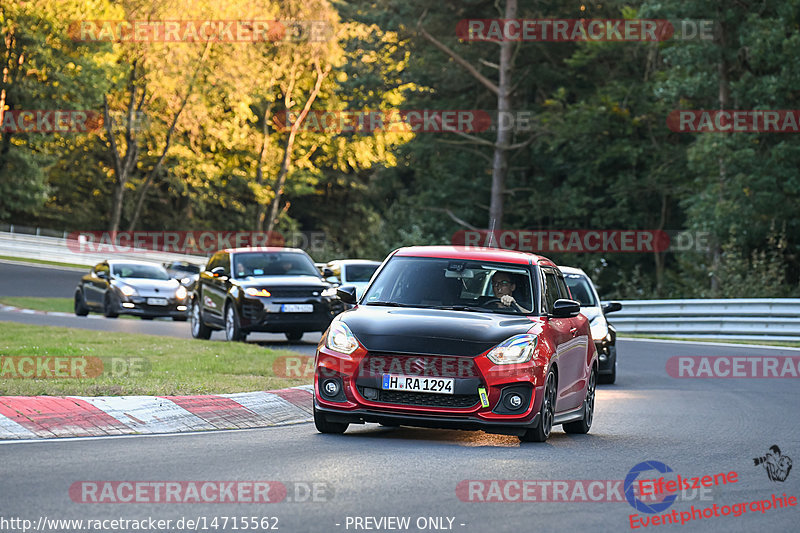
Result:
[[599, 327], [127, 290], [252, 291], [340, 338], [517, 349], [330, 292], [181, 293]]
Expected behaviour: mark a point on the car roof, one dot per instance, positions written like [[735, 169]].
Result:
[[498, 255], [572, 270], [256, 249], [112, 262], [353, 262]]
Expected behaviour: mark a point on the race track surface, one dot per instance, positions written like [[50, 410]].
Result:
[[697, 427]]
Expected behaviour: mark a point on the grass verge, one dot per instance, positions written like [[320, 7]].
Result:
[[789, 344], [135, 364], [61, 305], [44, 262]]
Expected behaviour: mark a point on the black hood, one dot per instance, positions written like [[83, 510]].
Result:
[[282, 281], [432, 331]]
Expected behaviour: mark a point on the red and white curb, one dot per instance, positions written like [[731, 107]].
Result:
[[37, 417]]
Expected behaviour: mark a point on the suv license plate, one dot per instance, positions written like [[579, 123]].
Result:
[[297, 308], [156, 301], [417, 384]]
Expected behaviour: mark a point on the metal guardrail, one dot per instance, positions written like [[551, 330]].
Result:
[[62, 250], [737, 318]]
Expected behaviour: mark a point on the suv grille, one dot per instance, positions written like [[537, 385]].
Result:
[[425, 399], [294, 293]]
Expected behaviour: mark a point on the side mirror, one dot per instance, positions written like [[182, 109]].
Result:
[[347, 294], [611, 307], [218, 271], [327, 272], [564, 308]]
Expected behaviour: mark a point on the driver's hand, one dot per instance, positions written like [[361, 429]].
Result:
[[507, 300]]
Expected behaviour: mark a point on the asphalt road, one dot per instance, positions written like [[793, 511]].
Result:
[[58, 282], [696, 426]]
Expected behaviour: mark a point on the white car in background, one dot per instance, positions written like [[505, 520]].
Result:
[[604, 335], [355, 272]]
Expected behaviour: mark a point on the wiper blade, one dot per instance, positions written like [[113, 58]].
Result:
[[388, 304], [463, 308]]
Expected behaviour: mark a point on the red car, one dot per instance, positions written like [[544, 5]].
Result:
[[461, 338]]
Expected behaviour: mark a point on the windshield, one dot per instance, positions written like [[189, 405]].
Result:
[[273, 264], [452, 283], [358, 273], [140, 271], [581, 289]]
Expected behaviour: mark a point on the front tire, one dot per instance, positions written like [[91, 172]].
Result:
[[546, 413], [110, 306], [233, 329], [199, 329], [80, 305], [323, 426], [582, 426]]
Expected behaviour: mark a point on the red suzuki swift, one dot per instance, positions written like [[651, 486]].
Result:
[[460, 338]]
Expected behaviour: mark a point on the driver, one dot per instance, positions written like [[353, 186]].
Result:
[[503, 287]]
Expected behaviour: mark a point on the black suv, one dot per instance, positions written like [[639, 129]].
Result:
[[274, 290]]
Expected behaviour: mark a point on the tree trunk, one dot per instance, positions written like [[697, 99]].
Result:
[[503, 139], [724, 100], [287, 152]]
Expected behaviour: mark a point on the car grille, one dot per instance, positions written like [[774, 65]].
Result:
[[416, 365], [424, 399], [294, 293]]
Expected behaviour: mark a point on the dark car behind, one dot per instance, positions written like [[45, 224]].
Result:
[[272, 290]]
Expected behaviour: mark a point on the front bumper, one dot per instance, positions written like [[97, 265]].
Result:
[[264, 315], [138, 306], [362, 416], [362, 399]]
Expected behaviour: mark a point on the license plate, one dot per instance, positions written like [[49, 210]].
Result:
[[417, 384], [297, 308], [156, 301]]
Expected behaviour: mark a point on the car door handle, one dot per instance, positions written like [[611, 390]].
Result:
[[573, 331]]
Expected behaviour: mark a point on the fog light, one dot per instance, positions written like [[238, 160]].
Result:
[[513, 401], [128, 305], [182, 308], [330, 387]]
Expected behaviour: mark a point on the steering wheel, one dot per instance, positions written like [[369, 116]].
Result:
[[491, 301]]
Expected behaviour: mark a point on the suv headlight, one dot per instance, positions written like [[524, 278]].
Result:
[[341, 339], [127, 290], [252, 291], [599, 327], [330, 292], [517, 349], [180, 293]]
